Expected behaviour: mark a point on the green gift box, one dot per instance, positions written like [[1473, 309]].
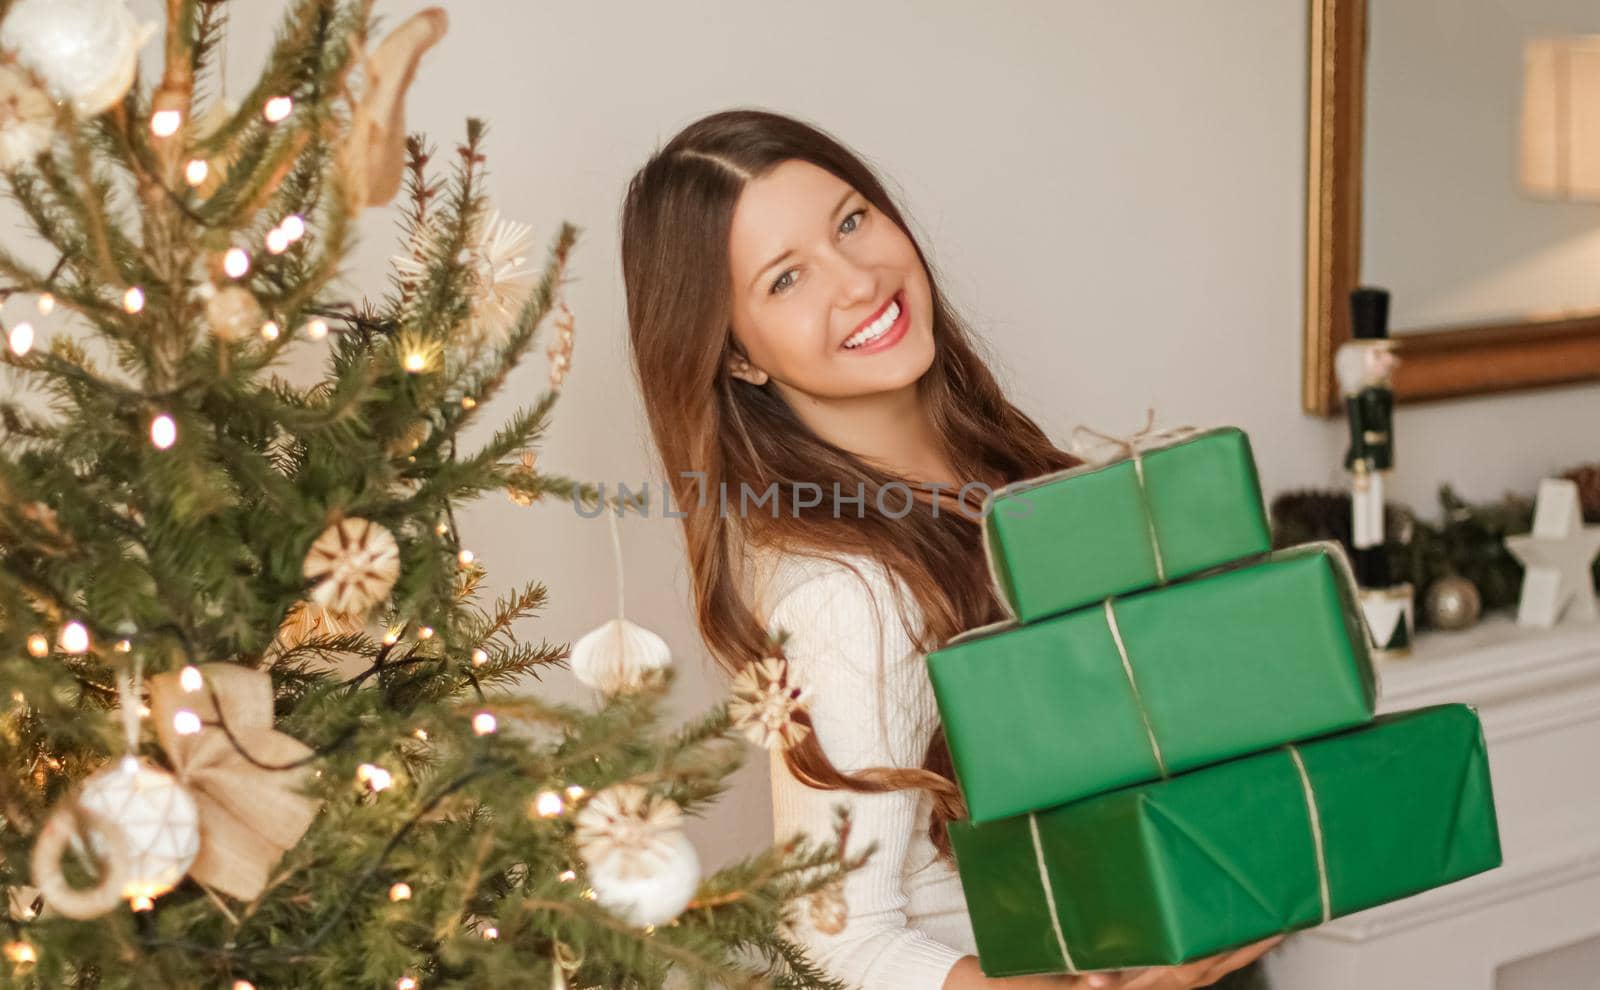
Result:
[[1062, 540], [1281, 840], [1159, 682]]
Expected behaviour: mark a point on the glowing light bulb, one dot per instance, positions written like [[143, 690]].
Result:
[[442, 529], [468, 402], [269, 331], [277, 108], [391, 637], [415, 362], [400, 892], [46, 303], [421, 734], [277, 240], [548, 804], [74, 638], [186, 723], [293, 227], [567, 876], [405, 983], [39, 644], [21, 954], [466, 557], [133, 300], [124, 646], [575, 793], [480, 657], [243, 985], [21, 339], [317, 329], [196, 171], [374, 776], [484, 723], [141, 902], [426, 632], [491, 933], [236, 262], [189, 678], [163, 431], [164, 123]]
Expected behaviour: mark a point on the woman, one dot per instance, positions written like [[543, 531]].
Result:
[[818, 408]]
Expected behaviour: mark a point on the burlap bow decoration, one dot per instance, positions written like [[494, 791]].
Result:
[[247, 787]]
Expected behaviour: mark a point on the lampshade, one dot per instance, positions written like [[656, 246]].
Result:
[[1561, 118]]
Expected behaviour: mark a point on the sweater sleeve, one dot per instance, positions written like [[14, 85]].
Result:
[[847, 643]]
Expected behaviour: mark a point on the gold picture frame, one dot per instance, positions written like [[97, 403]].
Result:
[[1434, 364]]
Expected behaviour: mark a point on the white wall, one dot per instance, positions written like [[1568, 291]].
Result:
[[1112, 189]]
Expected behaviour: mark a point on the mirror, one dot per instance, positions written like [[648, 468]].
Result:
[[1443, 165]]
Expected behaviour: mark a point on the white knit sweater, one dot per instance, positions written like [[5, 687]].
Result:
[[871, 705]]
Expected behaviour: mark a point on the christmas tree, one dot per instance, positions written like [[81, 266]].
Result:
[[259, 725]]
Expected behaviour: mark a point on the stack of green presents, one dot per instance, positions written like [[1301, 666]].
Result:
[[1170, 749]]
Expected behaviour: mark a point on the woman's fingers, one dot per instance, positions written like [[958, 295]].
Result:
[[1239, 958]]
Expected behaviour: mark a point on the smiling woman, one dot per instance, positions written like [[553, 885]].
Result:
[[786, 329]]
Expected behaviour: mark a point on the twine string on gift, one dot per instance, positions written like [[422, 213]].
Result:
[[1049, 894], [1138, 699], [1316, 832], [1132, 447]]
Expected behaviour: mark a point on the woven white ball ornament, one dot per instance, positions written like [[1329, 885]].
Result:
[[142, 824], [233, 313], [86, 51], [354, 564], [640, 864], [615, 656]]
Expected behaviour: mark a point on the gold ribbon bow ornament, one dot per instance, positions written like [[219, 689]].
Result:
[[237, 779]]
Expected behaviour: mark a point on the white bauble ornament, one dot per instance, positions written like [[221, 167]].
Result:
[[142, 825], [233, 313], [27, 118], [86, 51], [354, 564], [653, 896], [615, 656], [640, 864]]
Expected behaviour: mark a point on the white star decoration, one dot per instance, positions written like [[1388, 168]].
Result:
[[1558, 555]]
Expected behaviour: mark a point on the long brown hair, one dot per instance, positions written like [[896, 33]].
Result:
[[675, 264]]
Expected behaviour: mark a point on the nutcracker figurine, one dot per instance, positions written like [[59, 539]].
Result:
[[1365, 368]]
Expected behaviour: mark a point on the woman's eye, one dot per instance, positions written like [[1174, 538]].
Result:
[[779, 285]]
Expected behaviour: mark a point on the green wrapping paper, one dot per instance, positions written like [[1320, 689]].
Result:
[[1208, 669], [1175, 870], [1066, 539]]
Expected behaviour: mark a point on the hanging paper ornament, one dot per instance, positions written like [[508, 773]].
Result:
[[502, 280], [618, 655], [764, 703], [640, 864], [516, 490], [85, 51], [374, 150], [26, 118], [828, 910], [615, 656], [141, 823], [308, 620], [233, 313], [354, 564], [247, 787]]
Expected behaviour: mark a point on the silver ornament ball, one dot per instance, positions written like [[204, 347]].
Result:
[[1453, 603]]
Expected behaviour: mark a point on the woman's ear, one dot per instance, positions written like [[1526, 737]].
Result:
[[739, 367]]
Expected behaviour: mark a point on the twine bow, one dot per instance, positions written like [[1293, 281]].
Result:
[[244, 775], [1133, 447]]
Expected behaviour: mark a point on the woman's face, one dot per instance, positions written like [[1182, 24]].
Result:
[[814, 263]]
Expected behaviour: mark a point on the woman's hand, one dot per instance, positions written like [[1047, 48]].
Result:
[[1195, 973], [1192, 974]]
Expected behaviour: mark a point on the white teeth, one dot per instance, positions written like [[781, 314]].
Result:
[[876, 329]]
